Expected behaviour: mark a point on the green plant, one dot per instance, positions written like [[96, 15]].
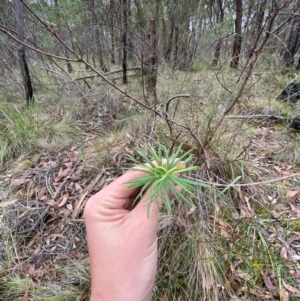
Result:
[[162, 176], [23, 131]]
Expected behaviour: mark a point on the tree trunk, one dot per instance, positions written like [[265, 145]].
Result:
[[21, 52], [124, 41], [259, 20], [150, 68], [112, 31], [237, 45], [293, 38], [176, 38], [220, 17], [103, 67], [151, 57], [140, 14], [57, 12], [170, 41]]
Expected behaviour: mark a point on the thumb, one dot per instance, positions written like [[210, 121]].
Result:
[[146, 212]]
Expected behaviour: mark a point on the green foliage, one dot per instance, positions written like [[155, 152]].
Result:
[[24, 131], [162, 177]]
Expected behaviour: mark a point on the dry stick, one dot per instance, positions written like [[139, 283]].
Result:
[[271, 117], [251, 184], [34, 48], [81, 203], [166, 108], [55, 197], [136, 68]]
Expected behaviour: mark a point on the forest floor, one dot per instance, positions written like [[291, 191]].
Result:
[[238, 243]]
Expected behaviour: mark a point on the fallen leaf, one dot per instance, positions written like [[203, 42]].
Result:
[[62, 174], [37, 249], [64, 200], [70, 207], [192, 209], [284, 295], [296, 210], [291, 193], [53, 204], [245, 212], [165, 297], [68, 164], [295, 273], [291, 289], [243, 275], [25, 213], [5, 204], [284, 253], [78, 188], [25, 297], [271, 288], [17, 182], [225, 228], [41, 193], [35, 273]]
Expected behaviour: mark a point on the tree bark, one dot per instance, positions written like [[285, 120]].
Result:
[[151, 59], [124, 41], [257, 31], [57, 12], [220, 17], [112, 31], [19, 15], [170, 40], [293, 38], [103, 67], [176, 39], [237, 45]]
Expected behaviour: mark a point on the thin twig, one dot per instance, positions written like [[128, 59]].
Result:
[[271, 117], [136, 68], [55, 197], [250, 184]]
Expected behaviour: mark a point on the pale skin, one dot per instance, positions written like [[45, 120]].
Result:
[[122, 242]]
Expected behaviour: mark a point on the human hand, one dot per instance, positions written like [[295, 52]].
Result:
[[122, 242]]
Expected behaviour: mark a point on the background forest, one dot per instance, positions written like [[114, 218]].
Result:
[[84, 83]]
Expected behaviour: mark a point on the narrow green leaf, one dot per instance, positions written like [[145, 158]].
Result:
[[229, 185]]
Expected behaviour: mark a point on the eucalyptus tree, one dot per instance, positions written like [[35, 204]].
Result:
[[258, 26], [219, 11], [97, 38], [237, 44], [58, 16], [293, 40], [124, 39], [19, 15]]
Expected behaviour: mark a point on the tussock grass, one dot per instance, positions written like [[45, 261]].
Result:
[[24, 130]]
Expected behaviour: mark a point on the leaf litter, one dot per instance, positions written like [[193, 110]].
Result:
[[60, 184]]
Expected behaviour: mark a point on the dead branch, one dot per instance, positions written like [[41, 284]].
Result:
[[136, 68], [260, 117]]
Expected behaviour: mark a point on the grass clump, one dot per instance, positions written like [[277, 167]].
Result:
[[25, 131]]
